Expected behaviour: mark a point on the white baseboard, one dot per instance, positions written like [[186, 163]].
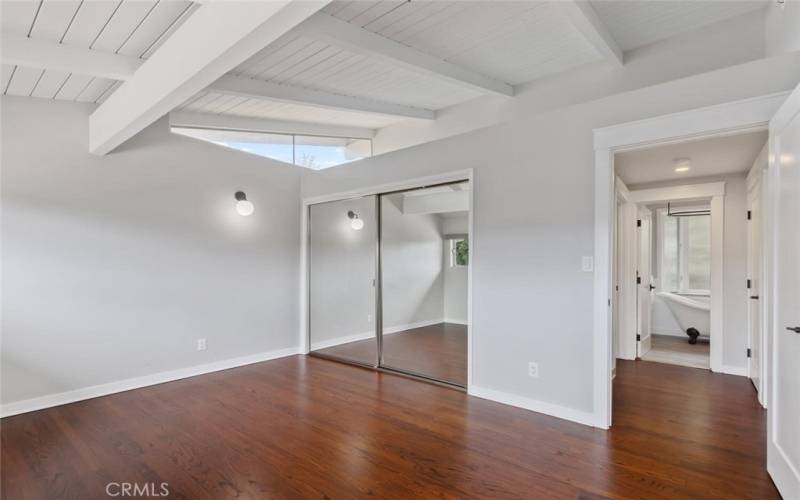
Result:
[[346, 339], [672, 332], [369, 335], [456, 321], [734, 370], [411, 326], [581, 417], [95, 391]]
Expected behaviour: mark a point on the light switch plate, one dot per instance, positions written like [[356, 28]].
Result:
[[587, 264]]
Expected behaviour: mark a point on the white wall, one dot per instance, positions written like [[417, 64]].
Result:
[[456, 278], [412, 267], [114, 266], [734, 265], [533, 221], [782, 28]]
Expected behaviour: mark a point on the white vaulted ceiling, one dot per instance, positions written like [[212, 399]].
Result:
[[133, 28], [359, 63], [512, 41]]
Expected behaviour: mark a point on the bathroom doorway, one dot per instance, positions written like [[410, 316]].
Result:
[[681, 211], [676, 243]]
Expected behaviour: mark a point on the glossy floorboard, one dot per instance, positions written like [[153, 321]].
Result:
[[303, 427], [437, 351]]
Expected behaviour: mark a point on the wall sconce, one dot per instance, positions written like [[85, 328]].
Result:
[[355, 222], [243, 205]]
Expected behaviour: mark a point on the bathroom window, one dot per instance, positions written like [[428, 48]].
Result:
[[685, 254]]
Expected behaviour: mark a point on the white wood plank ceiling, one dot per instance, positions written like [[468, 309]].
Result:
[[133, 28], [513, 41], [482, 47]]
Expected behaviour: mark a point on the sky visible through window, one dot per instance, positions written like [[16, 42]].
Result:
[[310, 156], [314, 152]]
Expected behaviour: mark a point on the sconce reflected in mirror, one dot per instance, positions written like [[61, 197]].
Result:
[[243, 205], [355, 222]]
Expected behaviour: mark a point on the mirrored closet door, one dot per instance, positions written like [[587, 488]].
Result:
[[424, 256], [342, 242], [389, 279]]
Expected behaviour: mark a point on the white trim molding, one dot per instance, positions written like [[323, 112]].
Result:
[[740, 371], [96, 391], [553, 410], [712, 121]]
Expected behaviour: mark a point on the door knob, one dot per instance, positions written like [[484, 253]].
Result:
[[754, 297], [652, 288], [795, 329]]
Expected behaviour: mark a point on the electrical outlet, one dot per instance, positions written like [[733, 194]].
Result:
[[201, 344], [587, 264], [533, 369]]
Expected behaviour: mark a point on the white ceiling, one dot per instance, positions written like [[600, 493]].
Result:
[[510, 42], [635, 24], [709, 157], [133, 28], [215, 103]]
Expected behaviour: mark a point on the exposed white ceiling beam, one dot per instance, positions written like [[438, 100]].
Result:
[[348, 36], [246, 124], [259, 89], [24, 51], [585, 19], [216, 38]]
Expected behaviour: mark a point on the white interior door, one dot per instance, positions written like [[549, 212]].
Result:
[[644, 281], [783, 428], [754, 285]]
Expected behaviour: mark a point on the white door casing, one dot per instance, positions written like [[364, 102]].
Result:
[[644, 280], [754, 284]]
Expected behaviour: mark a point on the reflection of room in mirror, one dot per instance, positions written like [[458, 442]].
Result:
[[424, 258]]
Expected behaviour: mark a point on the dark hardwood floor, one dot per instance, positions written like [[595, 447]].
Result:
[[304, 427], [437, 351]]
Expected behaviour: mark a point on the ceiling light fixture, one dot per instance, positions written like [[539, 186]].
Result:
[[355, 222], [683, 165], [243, 205]]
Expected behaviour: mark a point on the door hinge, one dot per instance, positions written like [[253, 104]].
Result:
[[638, 222], [638, 337], [638, 280], [749, 353], [748, 283], [749, 214]]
